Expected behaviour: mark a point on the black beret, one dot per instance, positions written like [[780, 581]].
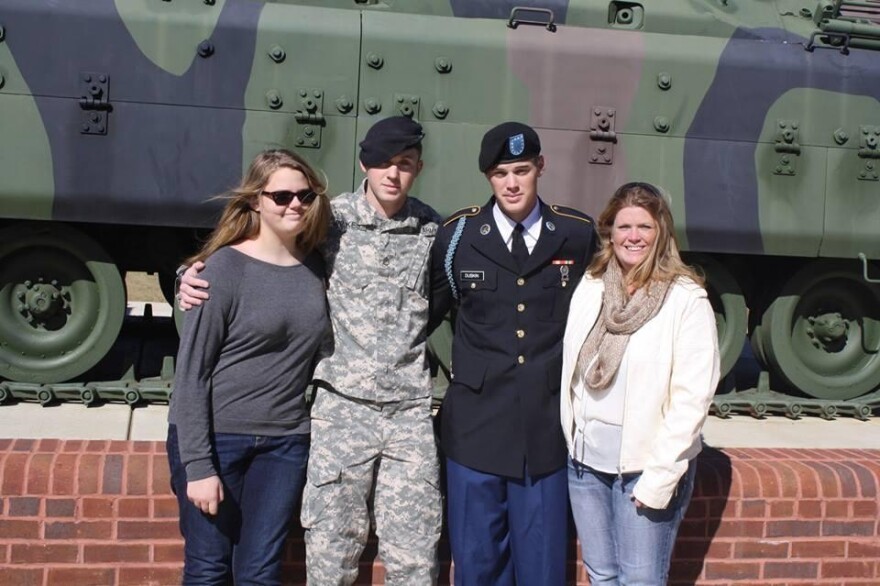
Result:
[[389, 137], [509, 141]]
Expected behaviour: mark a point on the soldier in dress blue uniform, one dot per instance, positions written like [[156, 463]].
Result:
[[509, 269]]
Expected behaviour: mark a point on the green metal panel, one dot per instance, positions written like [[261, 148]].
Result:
[[166, 32], [684, 66], [810, 213], [27, 188], [278, 130], [321, 49], [431, 7], [576, 70], [568, 82], [676, 74], [451, 179], [703, 18], [458, 71], [852, 212], [822, 113], [478, 86], [791, 207], [797, 16], [852, 209], [698, 96], [308, 58]]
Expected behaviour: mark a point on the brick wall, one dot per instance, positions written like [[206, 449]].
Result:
[[772, 516], [100, 512]]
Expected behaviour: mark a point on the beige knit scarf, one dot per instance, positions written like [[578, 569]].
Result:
[[620, 317]]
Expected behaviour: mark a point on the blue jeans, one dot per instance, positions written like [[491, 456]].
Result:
[[263, 478], [622, 544]]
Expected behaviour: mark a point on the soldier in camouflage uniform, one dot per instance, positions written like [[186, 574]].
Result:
[[372, 435]]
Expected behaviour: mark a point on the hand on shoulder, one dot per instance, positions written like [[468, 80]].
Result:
[[193, 290]]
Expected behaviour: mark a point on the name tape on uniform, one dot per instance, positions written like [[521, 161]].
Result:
[[472, 275]]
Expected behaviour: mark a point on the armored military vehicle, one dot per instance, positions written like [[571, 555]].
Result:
[[761, 119]]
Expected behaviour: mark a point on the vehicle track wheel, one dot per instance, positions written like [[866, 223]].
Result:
[[822, 333], [757, 342], [62, 302], [729, 304]]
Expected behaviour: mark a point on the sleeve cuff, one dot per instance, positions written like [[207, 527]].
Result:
[[199, 469]]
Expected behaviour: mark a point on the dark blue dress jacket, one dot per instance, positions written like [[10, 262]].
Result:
[[501, 411]]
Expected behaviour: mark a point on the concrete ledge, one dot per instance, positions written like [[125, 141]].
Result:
[[149, 423], [742, 431], [65, 420]]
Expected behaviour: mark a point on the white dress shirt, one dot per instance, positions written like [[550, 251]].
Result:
[[531, 226]]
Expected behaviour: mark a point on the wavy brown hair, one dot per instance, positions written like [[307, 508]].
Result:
[[239, 221], [663, 262]]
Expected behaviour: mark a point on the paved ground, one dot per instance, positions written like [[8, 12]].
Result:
[[143, 287]]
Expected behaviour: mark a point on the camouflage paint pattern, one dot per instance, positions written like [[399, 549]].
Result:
[[169, 137], [777, 64], [181, 30], [552, 80], [701, 91]]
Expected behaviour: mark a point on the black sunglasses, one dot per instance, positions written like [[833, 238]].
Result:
[[283, 197]]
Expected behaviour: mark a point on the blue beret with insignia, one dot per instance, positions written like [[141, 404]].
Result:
[[507, 142]]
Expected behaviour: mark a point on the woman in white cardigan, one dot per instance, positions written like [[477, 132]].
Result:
[[640, 366]]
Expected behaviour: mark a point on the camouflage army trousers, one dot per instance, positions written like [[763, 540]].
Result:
[[367, 455]]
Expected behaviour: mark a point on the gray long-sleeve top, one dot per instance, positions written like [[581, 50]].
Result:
[[246, 356]]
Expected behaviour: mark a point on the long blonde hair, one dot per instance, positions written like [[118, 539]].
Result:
[[239, 221], [663, 262]]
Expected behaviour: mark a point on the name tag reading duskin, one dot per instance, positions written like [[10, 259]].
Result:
[[470, 276]]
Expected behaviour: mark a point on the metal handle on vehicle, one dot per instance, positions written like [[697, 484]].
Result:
[[549, 23], [864, 260]]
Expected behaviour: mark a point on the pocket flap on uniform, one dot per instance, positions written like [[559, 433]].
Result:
[[323, 488], [555, 276], [418, 263], [324, 475], [468, 370], [354, 281]]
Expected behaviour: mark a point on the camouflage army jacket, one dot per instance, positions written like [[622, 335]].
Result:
[[378, 295]]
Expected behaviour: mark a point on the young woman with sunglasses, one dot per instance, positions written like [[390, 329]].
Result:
[[640, 367], [238, 436]]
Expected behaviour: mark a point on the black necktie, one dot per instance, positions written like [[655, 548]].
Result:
[[518, 247]]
